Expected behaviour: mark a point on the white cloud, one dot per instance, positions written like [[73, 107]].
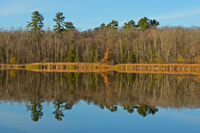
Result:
[[185, 12], [183, 118]]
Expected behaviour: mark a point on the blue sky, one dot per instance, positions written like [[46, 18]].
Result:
[[87, 14]]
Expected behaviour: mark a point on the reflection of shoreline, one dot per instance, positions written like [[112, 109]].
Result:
[[102, 67], [103, 89]]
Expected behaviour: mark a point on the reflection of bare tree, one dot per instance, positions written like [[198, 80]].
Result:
[[36, 108], [126, 90]]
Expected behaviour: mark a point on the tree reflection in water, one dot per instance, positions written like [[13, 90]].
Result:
[[139, 93], [36, 108], [60, 107], [142, 109]]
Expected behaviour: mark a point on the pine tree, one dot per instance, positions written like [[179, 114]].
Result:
[[59, 56], [93, 55], [70, 55], [59, 27], [77, 59], [69, 26], [36, 24], [132, 57]]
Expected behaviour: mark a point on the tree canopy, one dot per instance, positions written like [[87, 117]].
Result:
[[36, 23], [59, 19], [129, 24], [145, 23]]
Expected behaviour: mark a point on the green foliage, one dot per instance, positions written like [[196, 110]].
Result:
[[132, 78], [77, 59], [36, 109], [59, 27], [71, 53], [112, 24], [93, 80], [132, 57], [77, 75], [69, 26], [129, 24], [13, 60], [70, 78], [111, 108], [122, 57], [93, 55], [145, 110], [36, 23], [154, 22], [58, 77], [58, 113], [102, 25], [59, 56], [143, 23]]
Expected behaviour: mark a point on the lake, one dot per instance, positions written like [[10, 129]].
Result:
[[98, 102]]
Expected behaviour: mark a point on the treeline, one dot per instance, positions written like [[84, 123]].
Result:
[[132, 43]]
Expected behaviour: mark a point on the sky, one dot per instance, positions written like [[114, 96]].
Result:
[[85, 14]]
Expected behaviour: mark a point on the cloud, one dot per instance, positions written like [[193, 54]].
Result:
[[185, 12], [183, 118]]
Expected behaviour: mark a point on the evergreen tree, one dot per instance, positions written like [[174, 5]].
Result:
[[102, 25], [77, 59], [69, 26], [36, 23], [129, 24], [93, 55], [70, 54], [132, 57], [59, 56], [143, 23], [153, 22], [112, 24], [59, 19]]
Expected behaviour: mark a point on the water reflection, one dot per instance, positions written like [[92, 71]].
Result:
[[36, 108], [139, 93]]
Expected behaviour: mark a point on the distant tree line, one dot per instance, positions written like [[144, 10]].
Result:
[[132, 43]]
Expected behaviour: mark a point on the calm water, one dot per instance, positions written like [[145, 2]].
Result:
[[98, 102]]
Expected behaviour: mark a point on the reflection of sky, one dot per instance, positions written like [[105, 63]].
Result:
[[89, 118]]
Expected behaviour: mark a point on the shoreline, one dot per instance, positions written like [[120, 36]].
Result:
[[102, 67]]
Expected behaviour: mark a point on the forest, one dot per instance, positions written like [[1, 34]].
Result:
[[141, 42]]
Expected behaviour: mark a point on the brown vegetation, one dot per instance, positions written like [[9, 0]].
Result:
[[162, 45], [124, 89]]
